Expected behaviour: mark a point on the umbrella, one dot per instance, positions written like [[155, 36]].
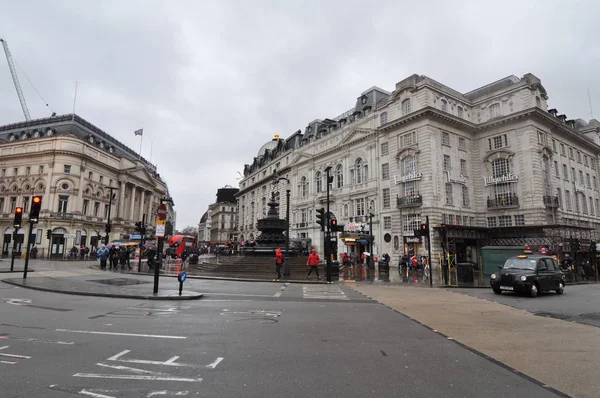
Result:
[[115, 244]]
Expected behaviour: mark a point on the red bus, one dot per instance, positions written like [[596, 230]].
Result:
[[179, 243]]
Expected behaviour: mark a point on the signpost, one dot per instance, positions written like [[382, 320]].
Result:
[[161, 213], [181, 278]]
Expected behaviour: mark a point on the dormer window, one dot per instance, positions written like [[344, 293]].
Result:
[[49, 133], [12, 138], [363, 100], [36, 134], [309, 129], [111, 149], [23, 135], [102, 145], [91, 139]]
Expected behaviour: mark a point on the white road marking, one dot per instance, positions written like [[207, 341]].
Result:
[[135, 377], [281, 289], [12, 355], [215, 363], [177, 393], [156, 336], [115, 357], [238, 294], [34, 340], [132, 370], [9, 363], [93, 394], [323, 292], [17, 301], [168, 362]]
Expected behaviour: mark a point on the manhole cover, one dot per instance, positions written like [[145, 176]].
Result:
[[119, 281]]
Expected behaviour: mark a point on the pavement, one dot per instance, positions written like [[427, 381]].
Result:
[[561, 355]]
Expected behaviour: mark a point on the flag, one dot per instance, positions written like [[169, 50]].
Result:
[[139, 132]]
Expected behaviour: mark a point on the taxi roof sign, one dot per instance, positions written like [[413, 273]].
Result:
[[522, 256]]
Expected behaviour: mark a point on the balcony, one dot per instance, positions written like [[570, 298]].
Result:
[[503, 201], [302, 225], [551, 202], [409, 201]]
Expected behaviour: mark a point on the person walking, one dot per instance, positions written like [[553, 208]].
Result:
[[278, 262], [102, 254], [184, 256], [313, 262]]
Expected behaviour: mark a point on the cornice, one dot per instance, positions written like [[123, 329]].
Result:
[[432, 113]]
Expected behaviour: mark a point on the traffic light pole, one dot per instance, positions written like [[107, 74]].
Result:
[[328, 230], [143, 231], [429, 251], [27, 252], [14, 249]]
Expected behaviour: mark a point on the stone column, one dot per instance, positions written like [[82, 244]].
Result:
[[79, 204], [142, 205], [132, 204], [121, 208]]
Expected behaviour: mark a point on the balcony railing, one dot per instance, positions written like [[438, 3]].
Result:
[[302, 225], [551, 201], [409, 201], [503, 201]]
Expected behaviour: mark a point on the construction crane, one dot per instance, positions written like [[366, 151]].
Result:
[[15, 78]]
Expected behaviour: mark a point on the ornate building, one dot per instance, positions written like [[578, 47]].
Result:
[[223, 225], [493, 166], [76, 167]]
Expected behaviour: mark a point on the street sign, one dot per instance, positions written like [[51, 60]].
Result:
[[160, 228], [162, 212], [135, 236]]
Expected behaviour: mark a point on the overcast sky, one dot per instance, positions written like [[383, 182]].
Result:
[[211, 81]]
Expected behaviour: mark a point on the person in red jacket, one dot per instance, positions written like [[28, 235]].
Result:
[[278, 262], [313, 263]]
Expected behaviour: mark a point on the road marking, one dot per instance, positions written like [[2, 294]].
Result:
[[17, 301], [136, 377], [113, 393], [329, 292], [281, 289], [177, 393], [93, 394], [12, 355], [132, 370], [34, 340], [168, 362], [121, 334], [9, 363], [215, 363], [238, 294]]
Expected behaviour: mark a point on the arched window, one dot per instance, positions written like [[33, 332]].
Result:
[[500, 167], [303, 187], [406, 108], [409, 165], [339, 175], [383, 118], [359, 173], [319, 182], [444, 106]]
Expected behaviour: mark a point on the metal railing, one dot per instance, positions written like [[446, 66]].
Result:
[[551, 201], [409, 201], [507, 200]]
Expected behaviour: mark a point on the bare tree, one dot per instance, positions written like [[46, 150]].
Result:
[[189, 230]]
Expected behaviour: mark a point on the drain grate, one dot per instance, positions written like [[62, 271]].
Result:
[[119, 281]]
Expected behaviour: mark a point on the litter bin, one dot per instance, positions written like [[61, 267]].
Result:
[[384, 266], [465, 272]]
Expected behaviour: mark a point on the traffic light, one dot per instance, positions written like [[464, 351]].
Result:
[[36, 206], [321, 218], [338, 227], [107, 229], [424, 230], [138, 227], [18, 217], [48, 233], [169, 228]]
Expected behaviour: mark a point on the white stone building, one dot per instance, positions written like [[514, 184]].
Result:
[[75, 166], [493, 166]]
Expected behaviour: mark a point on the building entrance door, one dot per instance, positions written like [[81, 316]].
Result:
[[57, 247]]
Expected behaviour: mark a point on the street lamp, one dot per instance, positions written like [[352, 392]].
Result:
[[286, 265], [371, 236], [108, 226]]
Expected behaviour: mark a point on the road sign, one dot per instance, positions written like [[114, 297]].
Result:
[[162, 212], [160, 228]]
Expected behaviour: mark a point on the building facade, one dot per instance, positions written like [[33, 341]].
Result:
[[224, 217], [493, 166], [82, 174]]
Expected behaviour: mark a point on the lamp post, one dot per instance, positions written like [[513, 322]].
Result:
[[371, 236], [108, 226], [286, 265], [159, 250]]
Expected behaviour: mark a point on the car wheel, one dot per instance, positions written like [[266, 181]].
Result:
[[561, 288], [533, 291], [497, 291]]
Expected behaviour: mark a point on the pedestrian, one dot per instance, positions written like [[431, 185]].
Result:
[[313, 263], [102, 254], [184, 256], [278, 262]]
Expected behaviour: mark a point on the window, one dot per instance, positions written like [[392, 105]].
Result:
[[411, 222], [359, 207], [585, 160], [101, 180], [595, 182], [406, 109], [542, 138], [27, 170], [67, 169], [359, 174], [462, 144], [563, 150], [571, 153], [560, 199], [409, 165], [578, 157], [449, 194], [13, 204], [86, 205], [499, 141], [503, 193], [568, 199], [573, 175], [386, 198], [1, 205], [16, 171], [495, 110], [385, 171], [598, 207], [410, 188], [106, 212], [451, 219], [445, 138], [444, 106], [505, 221], [565, 172], [459, 111], [407, 139], [63, 201], [303, 187], [345, 210], [385, 148], [319, 182], [465, 196], [591, 205], [387, 223], [447, 165], [554, 145], [500, 167], [383, 118], [25, 204], [463, 167], [593, 163], [556, 169], [584, 204], [3, 172], [491, 222], [588, 180], [339, 175], [90, 175]]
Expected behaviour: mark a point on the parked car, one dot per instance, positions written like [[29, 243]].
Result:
[[528, 273]]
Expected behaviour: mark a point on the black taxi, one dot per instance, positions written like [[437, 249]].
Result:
[[528, 273]]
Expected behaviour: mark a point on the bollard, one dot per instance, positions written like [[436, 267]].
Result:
[[181, 278]]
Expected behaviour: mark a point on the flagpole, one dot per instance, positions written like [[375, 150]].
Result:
[[141, 140]]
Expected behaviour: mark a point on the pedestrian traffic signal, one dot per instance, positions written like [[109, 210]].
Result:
[[321, 218], [424, 230], [18, 217], [36, 206], [48, 233]]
